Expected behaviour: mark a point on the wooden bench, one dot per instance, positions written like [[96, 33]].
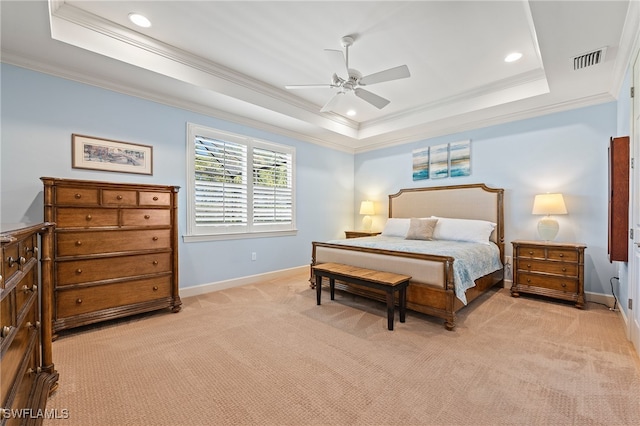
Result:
[[387, 281]]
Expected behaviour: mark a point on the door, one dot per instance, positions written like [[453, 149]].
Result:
[[634, 264]]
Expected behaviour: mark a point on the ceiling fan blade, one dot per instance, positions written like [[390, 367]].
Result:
[[309, 86], [338, 63], [331, 103], [375, 100], [391, 74]]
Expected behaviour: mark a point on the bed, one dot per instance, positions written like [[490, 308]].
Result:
[[440, 285]]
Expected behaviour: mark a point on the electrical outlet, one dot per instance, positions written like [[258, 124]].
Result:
[[254, 256], [508, 260]]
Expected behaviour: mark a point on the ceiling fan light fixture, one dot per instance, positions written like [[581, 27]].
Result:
[[512, 57], [139, 20]]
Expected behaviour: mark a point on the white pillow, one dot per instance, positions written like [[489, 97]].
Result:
[[396, 227], [478, 231]]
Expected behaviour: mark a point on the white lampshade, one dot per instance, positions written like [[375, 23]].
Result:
[[366, 208], [548, 204]]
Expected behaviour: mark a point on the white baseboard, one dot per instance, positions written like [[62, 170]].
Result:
[[237, 282]]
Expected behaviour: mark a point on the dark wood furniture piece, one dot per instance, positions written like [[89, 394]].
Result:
[[549, 269], [618, 242], [27, 373], [358, 234], [434, 294], [115, 249], [386, 281]]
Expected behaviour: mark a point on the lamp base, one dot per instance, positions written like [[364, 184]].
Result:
[[548, 228], [366, 223]]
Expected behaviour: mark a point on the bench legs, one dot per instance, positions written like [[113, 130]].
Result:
[[402, 302]]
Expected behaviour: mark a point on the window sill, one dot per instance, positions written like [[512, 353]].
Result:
[[237, 236]]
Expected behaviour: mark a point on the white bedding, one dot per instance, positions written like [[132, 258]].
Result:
[[472, 260]]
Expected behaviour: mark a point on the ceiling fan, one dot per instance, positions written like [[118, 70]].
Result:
[[350, 80]]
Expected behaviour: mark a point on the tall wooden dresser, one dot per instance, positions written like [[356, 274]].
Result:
[[115, 249], [27, 373]]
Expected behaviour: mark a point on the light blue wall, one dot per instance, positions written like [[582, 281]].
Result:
[[564, 152], [40, 112]]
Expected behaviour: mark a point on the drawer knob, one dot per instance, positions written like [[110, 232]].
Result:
[[89, 217], [33, 250], [78, 243], [78, 271], [531, 253], [155, 198], [563, 284], [26, 289], [561, 254], [155, 288], [146, 216], [155, 238], [12, 262], [35, 325], [528, 280], [564, 269], [78, 301], [119, 197], [6, 330], [78, 196], [529, 265], [155, 262]]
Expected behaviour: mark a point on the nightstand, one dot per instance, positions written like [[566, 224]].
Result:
[[358, 234], [549, 269]]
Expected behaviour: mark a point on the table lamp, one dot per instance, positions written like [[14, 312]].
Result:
[[366, 208], [548, 204]]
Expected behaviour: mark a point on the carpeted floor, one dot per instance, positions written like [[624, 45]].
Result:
[[265, 354]]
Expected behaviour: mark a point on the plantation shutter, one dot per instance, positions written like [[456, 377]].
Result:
[[220, 183], [272, 187]]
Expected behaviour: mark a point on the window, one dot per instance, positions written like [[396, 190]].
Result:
[[238, 186]]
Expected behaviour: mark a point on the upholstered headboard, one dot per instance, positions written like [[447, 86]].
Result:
[[472, 201]]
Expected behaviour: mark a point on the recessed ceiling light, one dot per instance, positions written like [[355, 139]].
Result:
[[139, 20], [351, 113], [512, 57]]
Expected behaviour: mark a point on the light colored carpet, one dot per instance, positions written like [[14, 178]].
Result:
[[265, 354]]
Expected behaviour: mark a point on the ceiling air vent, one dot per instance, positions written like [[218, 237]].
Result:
[[589, 59]]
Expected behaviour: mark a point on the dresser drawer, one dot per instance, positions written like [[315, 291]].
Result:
[[569, 285], [82, 271], [77, 196], [25, 290], [77, 301], [10, 261], [154, 198], [16, 351], [146, 217], [559, 268], [119, 197], [25, 382], [563, 255], [7, 314], [86, 218], [532, 252], [85, 243]]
